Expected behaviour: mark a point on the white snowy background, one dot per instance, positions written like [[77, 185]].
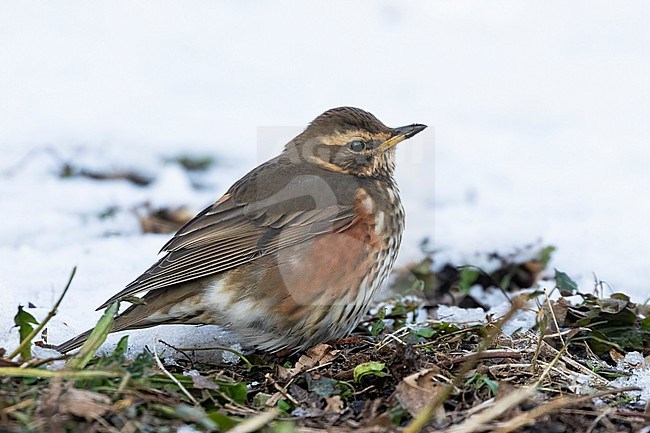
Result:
[[538, 115]]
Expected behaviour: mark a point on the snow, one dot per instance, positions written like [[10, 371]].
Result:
[[639, 377], [498, 304], [187, 429], [537, 114]]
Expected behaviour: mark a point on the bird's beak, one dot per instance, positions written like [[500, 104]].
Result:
[[400, 134]]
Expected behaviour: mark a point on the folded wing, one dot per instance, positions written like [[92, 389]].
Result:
[[243, 225]]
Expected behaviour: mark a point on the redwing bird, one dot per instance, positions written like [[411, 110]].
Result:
[[294, 252]]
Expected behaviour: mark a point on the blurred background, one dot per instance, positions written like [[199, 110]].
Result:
[[538, 115]]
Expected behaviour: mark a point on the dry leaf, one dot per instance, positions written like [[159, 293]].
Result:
[[202, 382], [315, 356], [283, 374], [616, 355], [84, 404], [271, 402], [334, 404], [560, 310], [163, 220], [418, 390]]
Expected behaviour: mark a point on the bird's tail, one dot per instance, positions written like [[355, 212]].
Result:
[[122, 323], [156, 310], [73, 343]]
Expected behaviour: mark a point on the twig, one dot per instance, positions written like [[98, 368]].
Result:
[[65, 374], [487, 354], [33, 363], [281, 390], [602, 415], [364, 390], [550, 367], [568, 331], [255, 423], [125, 380], [394, 336], [17, 406], [318, 367], [555, 322], [226, 349], [420, 421], [576, 364], [629, 413], [473, 423], [171, 376], [27, 340], [105, 424], [529, 417], [182, 352]]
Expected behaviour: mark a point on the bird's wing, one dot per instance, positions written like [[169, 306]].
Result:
[[236, 230]]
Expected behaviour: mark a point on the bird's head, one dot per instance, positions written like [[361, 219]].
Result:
[[350, 140]]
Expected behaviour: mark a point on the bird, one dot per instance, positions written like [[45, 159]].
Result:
[[294, 252]]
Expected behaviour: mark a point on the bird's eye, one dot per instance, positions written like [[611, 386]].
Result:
[[357, 146]]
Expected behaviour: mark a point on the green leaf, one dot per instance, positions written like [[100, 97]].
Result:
[[96, 338], [194, 414], [379, 324], [120, 349], [494, 386], [545, 254], [141, 364], [621, 296], [24, 321], [346, 389], [134, 300], [235, 390], [399, 309], [425, 332], [645, 324], [567, 286], [397, 414], [223, 421], [468, 276], [323, 386], [283, 427], [481, 380], [283, 406], [369, 368], [260, 399], [193, 162]]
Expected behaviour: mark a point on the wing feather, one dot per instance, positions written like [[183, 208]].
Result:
[[229, 233]]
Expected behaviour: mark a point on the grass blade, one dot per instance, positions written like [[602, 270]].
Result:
[[96, 338]]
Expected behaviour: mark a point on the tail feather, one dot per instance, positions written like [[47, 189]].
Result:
[[155, 311], [74, 343]]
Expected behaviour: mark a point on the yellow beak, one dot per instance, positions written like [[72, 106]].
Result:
[[400, 134]]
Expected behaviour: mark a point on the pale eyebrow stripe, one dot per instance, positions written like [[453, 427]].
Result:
[[339, 139]]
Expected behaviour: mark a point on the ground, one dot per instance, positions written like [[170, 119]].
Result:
[[401, 370], [119, 120]]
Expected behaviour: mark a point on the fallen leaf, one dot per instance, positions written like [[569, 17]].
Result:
[[284, 374], [202, 382], [322, 386], [315, 356], [84, 404], [565, 284], [163, 220], [616, 355], [369, 368], [334, 404], [417, 391]]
